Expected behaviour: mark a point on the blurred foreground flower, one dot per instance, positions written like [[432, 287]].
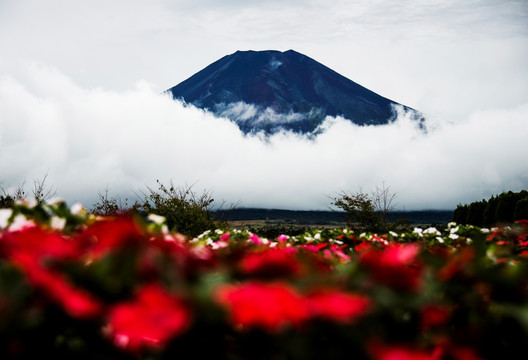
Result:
[[271, 307], [151, 320]]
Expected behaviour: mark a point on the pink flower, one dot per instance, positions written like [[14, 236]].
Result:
[[282, 238], [255, 239]]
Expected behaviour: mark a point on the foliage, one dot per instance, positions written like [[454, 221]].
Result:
[[185, 211], [503, 208], [76, 285], [40, 191], [112, 205], [367, 212]]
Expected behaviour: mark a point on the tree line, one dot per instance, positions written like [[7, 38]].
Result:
[[499, 209]]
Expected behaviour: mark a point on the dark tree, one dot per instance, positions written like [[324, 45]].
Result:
[[521, 209], [460, 214], [505, 212], [475, 215], [490, 211]]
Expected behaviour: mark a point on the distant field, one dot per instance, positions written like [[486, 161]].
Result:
[[259, 217]]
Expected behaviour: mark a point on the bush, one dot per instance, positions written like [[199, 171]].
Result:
[[367, 212], [184, 210]]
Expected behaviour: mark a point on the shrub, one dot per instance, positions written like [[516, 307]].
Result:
[[367, 212], [185, 211]]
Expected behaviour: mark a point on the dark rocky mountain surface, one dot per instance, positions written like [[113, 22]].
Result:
[[272, 90]]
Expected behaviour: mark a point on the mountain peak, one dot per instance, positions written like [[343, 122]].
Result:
[[272, 90]]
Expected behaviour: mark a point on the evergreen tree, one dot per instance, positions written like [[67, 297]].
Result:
[[460, 214], [521, 209], [475, 214], [505, 211], [490, 211]]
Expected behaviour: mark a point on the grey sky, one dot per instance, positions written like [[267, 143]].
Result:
[[461, 63]]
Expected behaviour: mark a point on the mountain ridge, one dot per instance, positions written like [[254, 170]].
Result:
[[271, 90]]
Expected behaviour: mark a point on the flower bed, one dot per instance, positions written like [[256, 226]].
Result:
[[79, 286]]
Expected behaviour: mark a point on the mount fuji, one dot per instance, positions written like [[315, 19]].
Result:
[[271, 91]]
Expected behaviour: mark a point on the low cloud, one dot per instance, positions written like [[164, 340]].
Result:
[[90, 139], [251, 115]]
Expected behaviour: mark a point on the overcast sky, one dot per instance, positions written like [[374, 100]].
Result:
[[81, 84]]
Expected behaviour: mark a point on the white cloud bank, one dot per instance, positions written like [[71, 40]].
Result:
[[88, 139]]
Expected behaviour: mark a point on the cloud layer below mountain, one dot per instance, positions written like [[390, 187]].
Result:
[[87, 139]]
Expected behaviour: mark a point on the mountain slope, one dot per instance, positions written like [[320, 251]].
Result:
[[273, 90]]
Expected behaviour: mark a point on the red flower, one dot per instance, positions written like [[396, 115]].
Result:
[[362, 246], [446, 349], [30, 248], [434, 316], [109, 234], [149, 321], [268, 306], [380, 351], [271, 263], [523, 222], [456, 263], [395, 266], [463, 353], [523, 254], [38, 243], [337, 306], [76, 302]]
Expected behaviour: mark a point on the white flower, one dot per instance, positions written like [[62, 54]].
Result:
[[20, 222], [5, 214], [157, 219], [393, 233], [77, 209], [453, 236], [29, 202], [418, 231], [58, 223], [204, 234], [469, 241], [317, 236], [219, 232], [440, 240], [485, 230], [432, 230], [451, 224], [454, 230], [54, 201]]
